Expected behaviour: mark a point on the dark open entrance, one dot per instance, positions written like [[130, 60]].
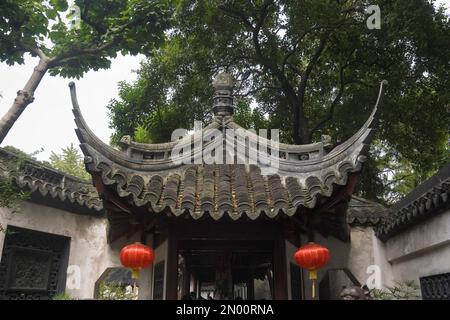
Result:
[[219, 269], [226, 260]]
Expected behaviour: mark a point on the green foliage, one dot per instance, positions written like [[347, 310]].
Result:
[[20, 156], [10, 195], [143, 105], [114, 291], [401, 290], [276, 48], [70, 161], [62, 296], [142, 135], [248, 118], [106, 28]]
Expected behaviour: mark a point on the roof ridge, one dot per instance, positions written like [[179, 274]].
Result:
[[42, 165], [423, 189]]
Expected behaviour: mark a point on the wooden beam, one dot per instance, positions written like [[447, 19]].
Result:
[[343, 193], [98, 183], [215, 230]]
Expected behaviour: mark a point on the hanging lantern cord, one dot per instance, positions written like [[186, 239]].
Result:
[[312, 272]]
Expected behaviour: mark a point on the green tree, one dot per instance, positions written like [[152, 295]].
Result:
[[69, 161], [103, 29], [11, 164], [312, 67]]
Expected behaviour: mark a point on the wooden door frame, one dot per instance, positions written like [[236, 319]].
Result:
[[190, 230]]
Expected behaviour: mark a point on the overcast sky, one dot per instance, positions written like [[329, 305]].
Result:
[[48, 122]]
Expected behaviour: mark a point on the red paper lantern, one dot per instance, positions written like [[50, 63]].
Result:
[[312, 256], [136, 256]]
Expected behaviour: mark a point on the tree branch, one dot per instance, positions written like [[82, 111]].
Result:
[[294, 69], [263, 15], [289, 54], [295, 46], [267, 63], [94, 25], [285, 84], [311, 64], [38, 52], [77, 52], [399, 179], [257, 90], [337, 99], [237, 14], [34, 51]]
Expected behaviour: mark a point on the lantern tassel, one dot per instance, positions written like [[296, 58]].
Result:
[[313, 278], [135, 274]]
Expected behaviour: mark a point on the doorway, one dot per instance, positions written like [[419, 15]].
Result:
[[226, 270]]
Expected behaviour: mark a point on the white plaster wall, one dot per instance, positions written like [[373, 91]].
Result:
[[89, 252], [89, 255], [161, 253], [339, 255], [422, 250], [381, 261], [364, 256], [367, 258], [361, 254]]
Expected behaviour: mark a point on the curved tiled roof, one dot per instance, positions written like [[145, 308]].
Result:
[[148, 177], [221, 189], [363, 212], [46, 184]]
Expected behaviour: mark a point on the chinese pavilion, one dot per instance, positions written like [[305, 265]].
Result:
[[225, 230]]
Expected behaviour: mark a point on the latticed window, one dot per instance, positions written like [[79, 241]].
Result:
[[436, 287], [33, 264]]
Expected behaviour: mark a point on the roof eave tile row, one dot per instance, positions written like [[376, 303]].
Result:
[[426, 201]]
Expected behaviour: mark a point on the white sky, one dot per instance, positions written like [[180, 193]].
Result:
[[48, 122]]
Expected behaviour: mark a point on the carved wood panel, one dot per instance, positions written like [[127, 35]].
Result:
[[33, 264]]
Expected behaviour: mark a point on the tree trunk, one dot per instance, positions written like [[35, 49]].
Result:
[[23, 99], [300, 124], [296, 123]]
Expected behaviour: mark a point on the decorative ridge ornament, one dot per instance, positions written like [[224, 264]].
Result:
[[223, 96], [312, 256]]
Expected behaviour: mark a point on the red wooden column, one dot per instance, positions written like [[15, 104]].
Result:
[[279, 270]]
